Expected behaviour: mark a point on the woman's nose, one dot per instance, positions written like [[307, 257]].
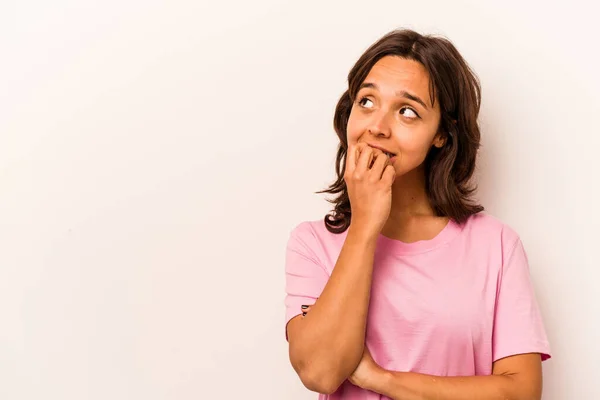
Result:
[[380, 124]]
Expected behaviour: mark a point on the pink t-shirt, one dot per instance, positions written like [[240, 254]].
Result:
[[449, 306]]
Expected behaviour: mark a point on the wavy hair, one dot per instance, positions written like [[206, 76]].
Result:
[[448, 170]]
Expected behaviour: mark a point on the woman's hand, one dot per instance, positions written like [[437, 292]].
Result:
[[369, 176], [366, 371]]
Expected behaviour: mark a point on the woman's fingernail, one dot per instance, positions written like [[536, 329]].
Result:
[[304, 307]]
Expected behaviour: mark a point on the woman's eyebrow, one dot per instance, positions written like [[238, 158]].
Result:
[[401, 93]]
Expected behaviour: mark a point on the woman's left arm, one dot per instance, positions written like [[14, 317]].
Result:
[[519, 341], [517, 377]]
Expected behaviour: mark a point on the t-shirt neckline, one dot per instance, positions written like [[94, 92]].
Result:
[[396, 246]]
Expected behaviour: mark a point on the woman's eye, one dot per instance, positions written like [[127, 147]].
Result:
[[363, 104], [411, 110], [361, 101]]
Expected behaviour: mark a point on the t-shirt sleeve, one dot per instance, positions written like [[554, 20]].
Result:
[[518, 325], [305, 275]]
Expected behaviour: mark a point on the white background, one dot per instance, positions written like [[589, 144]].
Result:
[[154, 156]]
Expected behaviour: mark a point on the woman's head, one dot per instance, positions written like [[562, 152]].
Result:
[[415, 96], [393, 110]]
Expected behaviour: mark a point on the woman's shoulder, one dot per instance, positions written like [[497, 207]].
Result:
[[313, 233], [314, 230], [482, 223], [313, 237], [487, 226], [479, 227]]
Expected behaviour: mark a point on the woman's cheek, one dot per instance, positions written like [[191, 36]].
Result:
[[354, 128], [352, 136]]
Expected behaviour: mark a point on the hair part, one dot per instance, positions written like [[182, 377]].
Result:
[[448, 170]]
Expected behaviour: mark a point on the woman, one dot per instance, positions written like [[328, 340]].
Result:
[[420, 294]]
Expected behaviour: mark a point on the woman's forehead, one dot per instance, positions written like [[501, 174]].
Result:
[[394, 75]]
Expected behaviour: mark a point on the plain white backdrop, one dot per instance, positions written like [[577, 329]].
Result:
[[154, 156]]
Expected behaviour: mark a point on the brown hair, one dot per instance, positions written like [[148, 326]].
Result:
[[448, 169]]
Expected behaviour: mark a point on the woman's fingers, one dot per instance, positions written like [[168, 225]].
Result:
[[364, 159], [380, 163], [353, 154], [305, 310]]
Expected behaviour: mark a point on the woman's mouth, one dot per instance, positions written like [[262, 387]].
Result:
[[391, 156]]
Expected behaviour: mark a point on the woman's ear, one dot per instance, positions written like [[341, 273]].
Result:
[[439, 140], [441, 137]]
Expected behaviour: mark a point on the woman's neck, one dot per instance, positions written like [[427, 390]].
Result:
[[409, 197]]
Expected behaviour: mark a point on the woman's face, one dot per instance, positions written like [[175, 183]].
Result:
[[385, 116]]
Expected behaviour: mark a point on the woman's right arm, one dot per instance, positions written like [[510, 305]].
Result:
[[327, 345]]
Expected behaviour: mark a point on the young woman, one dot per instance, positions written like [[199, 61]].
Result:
[[408, 290]]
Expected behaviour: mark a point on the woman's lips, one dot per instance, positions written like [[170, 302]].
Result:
[[392, 158], [386, 152]]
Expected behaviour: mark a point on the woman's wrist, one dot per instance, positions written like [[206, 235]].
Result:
[[378, 380], [362, 232]]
